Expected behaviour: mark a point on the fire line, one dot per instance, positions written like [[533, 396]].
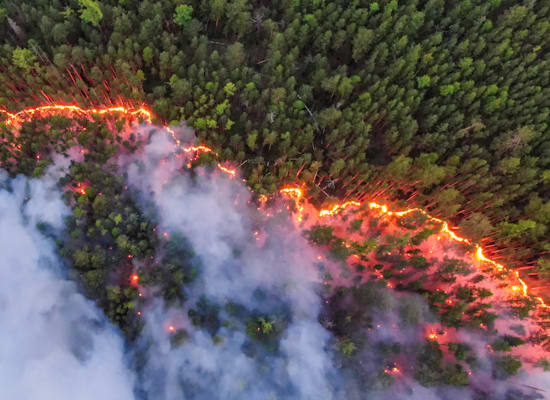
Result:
[[295, 193]]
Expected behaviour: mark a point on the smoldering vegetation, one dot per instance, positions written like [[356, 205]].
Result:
[[258, 305], [230, 300]]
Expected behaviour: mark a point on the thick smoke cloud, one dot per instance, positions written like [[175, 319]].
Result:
[[212, 213], [54, 343]]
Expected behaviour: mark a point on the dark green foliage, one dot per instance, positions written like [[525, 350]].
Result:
[[430, 370], [338, 250], [321, 235], [506, 342], [266, 330], [544, 364], [429, 364], [205, 315], [421, 236], [462, 352], [444, 106], [412, 221], [418, 262], [505, 366], [347, 347], [179, 338]]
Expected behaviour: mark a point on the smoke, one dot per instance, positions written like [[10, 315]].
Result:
[[212, 212], [254, 323], [54, 343]]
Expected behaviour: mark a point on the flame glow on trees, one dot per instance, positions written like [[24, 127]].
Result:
[[53, 109], [295, 193], [68, 109]]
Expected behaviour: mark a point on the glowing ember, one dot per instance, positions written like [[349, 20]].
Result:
[[294, 193], [338, 207], [55, 109], [228, 171], [433, 336], [262, 199], [80, 188], [199, 149], [393, 370], [171, 328], [134, 278]]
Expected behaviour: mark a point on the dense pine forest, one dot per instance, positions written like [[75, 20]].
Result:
[[444, 104], [441, 105]]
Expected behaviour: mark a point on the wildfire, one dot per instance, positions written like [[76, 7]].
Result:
[[80, 188], [433, 336], [262, 199], [228, 171], [171, 328], [294, 193], [338, 207], [134, 278], [392, 371], [54, 109], [479, 254]]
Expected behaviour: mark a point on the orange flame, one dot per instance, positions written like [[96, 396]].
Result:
[[339, 207], [433, 336], [297, 194], [293, 192], [390, 371], [134, 278], [262, 199], [54, 109], [80, 188], [228, 171]]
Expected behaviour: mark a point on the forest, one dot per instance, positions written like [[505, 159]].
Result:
[[444, 104], [441, 105]]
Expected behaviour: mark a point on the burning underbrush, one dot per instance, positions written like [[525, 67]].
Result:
[[220, 293]]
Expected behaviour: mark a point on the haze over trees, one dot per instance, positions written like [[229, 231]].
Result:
[[429, 103]]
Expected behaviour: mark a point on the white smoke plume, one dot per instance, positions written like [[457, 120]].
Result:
[[212, 213], [54, 343]]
